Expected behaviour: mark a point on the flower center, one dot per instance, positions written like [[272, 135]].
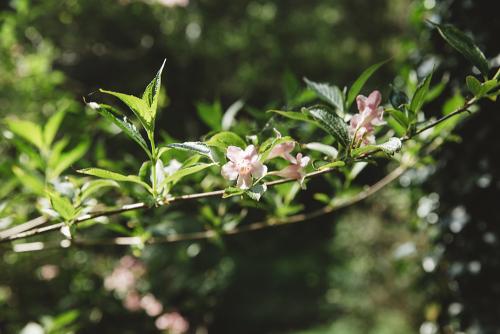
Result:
[[244, 167]]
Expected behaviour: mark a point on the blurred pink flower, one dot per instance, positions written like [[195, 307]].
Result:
[[132, 301], [173, 3], [173, 322], [370, 114], [49, 272], [124, 276], [243, 165], [296, 169], [151, 305], [282, 150]]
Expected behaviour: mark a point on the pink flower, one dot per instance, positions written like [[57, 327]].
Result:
[[370, 115], [282, 150], [132, 301], [296, 169], [243, 165], [151, 305], [173, 322]]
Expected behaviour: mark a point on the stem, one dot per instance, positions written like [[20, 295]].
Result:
[[154, 159]]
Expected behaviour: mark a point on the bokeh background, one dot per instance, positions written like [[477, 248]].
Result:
[[421, 257]]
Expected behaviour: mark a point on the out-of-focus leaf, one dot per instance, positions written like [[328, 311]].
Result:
[[90, 187], [68, 158], [27, 130], [230, 114], [210, 114], [295, 116], [323, 148], [473, 84], [52, 126], [360, 82], [418, 98], [30, 181], [183, 172], [224, 139], [62, 206], [106, 174], [465, 45]]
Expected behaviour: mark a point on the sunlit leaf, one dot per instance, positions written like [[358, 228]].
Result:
[[138, 106], [330, 94], [106, 174], [150, 95], [332, 123], [52, 126]]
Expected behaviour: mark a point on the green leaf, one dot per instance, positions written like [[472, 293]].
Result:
[[90, 187], [323, 148], [465, 45], [256, 191], [109, 113], [30, 181], [330, 94], [183, 172], [390, 147], [473, 84], [230, 114], [27, 130], [399, 116], [224, 139], [333, 164], [232, 191], [150, 95], [488, 86], [295, 116], [360, 82], [418, 98], [193, 146], [332, 123], [138, 106], [62, 206], [66, 159], [53, 124], [106, 174], [210, 114]]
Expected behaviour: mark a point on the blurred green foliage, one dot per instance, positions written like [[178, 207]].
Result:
[[359, 271]]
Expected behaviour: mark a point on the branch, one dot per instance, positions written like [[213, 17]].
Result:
[[31, 228], [27, 229], [202, 235]]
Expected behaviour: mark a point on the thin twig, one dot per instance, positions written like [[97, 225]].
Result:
[[30, 228]]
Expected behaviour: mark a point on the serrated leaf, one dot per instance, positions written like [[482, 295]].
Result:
[[90, 187], [152, 91], [294, 115], [27, 130], [62, 206], [332, 123], [473, 84], [138, 106], [360, 82], [108, 112], [224, 139], [52, 126], [465, 45], [255, 192], [193, 146], [106, 174], [330, 94], [418, 98]]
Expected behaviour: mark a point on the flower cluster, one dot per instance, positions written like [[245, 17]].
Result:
[[246, 165], [361, 127]]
